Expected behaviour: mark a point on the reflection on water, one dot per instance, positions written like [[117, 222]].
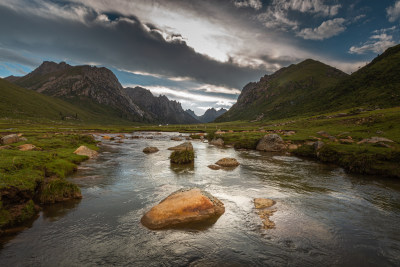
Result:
[[324, 216]]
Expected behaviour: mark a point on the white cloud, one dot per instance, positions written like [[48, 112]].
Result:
[[256, 4], [326, 30], [393, 12], [377, 43], [310, 6]]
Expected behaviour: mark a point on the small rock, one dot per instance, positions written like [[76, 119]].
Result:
[[318, 145], [271, 143], [85, 151], [176, 138], [106, 137], [183, 207], [346, 141], [227, 162], [217, 142], [27, 147], [293, 147], [135, 137], [214, 167], [183, 146], [374, 140], [5, 147], [261, 203], [9, 139], [150, 149], [323, 133]]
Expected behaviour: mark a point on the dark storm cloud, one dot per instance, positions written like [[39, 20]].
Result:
[[124, 42]]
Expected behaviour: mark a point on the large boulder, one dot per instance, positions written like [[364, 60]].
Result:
[[182, 147], [183, 207], [150, 149], [85, 151], [227, 162], [271, 143], [217, 142], [9, 139]]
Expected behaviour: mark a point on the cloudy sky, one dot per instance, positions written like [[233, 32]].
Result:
[[199, 52]]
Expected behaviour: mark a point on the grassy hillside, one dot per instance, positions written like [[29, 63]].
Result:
[[376, 84], [312, 87], [21, 103], [288, 92]]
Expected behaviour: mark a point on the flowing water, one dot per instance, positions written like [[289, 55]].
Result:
[[324, 216]]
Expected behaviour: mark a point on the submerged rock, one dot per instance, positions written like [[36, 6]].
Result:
[[271, 143], [182, 207], [150, 149], [85, 151], [217, 142], [227, 162], [261, 203], [184, 146], [214, 167]]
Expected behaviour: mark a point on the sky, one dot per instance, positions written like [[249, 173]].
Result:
[[198, 52]]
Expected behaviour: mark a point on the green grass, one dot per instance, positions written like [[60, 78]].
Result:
[[58, 190]]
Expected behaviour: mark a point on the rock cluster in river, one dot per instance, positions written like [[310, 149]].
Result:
[[183, 207], [263, 205]]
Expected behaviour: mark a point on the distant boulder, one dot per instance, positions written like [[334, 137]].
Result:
[[85, 151], [374, 140], [9, 139], [271, 143], [27, 147], [217, 142]]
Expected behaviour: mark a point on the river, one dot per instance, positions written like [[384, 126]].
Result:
[[324, 216]]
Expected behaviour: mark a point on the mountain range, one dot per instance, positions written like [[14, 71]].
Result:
[[97, 90], [209, 116], [92, 94]]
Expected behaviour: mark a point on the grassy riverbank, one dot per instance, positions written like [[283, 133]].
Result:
[[29, 178]]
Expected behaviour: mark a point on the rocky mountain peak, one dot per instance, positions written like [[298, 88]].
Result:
[[49, 67]]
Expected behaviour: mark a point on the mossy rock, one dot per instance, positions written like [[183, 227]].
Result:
[[182, 157], [58, 190]]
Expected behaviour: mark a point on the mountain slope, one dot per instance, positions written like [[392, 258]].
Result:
[[288, 92], [21, 103], [376, 84], [83, 86], [161, 109]]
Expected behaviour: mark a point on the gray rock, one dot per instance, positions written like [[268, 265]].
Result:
[[9, 139], [183, 146], [318, 145], [272, 143], [217, 142], [374, 140]]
